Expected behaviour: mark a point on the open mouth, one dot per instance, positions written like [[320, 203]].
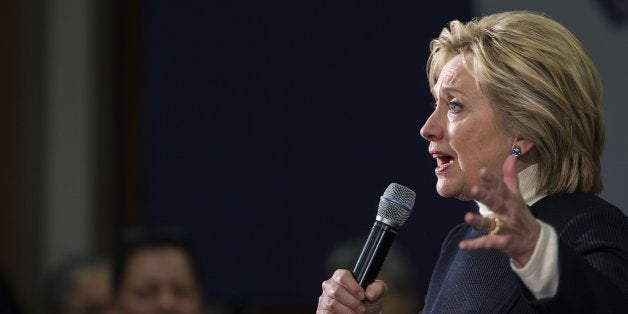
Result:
[[443, 162]]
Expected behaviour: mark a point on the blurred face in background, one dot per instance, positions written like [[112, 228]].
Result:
[[159, 280], [89, 291]]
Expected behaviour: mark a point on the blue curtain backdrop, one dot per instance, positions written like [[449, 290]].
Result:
[[270, 129]]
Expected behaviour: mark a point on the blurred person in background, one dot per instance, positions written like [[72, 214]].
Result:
[[79, 285], [156, 272]]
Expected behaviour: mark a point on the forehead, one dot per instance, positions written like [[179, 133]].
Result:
[[455, 75], [154, 262]]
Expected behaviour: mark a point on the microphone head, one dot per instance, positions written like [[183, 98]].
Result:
[[395, 205]]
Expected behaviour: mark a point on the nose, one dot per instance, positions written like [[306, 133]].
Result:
[[166, 302], [431, 129]]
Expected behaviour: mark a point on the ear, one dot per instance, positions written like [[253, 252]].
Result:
[[525, 145]]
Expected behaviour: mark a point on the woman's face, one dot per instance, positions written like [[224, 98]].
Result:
[[159, 280], [463, 132]]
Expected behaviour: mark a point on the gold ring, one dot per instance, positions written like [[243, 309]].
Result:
[[497, 227]]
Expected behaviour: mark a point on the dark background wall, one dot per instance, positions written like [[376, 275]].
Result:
[[266, 131], [271, 129]]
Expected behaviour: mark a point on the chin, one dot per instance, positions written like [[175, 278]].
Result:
[[447, 191], [452, 189]]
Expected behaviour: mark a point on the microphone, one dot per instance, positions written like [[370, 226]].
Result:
[[395, 206]]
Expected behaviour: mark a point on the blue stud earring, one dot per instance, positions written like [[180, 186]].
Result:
[[516, 150]]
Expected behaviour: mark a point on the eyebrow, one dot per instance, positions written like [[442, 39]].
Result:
[[446, 89]]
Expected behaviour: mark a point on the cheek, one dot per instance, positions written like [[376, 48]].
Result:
[[464, 149], [467, 143], [480, 148]]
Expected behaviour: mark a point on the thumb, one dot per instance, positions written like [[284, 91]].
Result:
[[376, 290]]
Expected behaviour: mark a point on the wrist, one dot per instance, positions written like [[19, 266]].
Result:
[[522, 259]]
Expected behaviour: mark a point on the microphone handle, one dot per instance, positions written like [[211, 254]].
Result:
[[374, 253]]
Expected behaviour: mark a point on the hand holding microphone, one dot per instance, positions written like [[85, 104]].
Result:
[[345, 291]]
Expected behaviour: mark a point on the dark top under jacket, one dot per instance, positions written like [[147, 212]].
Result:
[[592, 264]]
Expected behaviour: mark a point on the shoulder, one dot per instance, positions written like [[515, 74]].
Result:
[[577, 216], [574, 198], [559, 208]]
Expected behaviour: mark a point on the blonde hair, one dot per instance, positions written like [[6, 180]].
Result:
[[544, 87]]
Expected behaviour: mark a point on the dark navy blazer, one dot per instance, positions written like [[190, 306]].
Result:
[[592, 262]]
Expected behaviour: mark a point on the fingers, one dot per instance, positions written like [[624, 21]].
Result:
[[479, 222], [510, 174], [482, 242], [341, 294], [490, 195], [490, 184], [375, 293], [495, 191], [346, 279], [517, 231], [376, 290], [485, 242]]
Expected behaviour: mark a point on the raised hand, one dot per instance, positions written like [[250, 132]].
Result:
[[513, 230]]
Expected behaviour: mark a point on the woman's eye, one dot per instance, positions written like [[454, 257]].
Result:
[[455, 106]]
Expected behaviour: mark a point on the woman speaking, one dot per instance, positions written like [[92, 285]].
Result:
[[518, 127]]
